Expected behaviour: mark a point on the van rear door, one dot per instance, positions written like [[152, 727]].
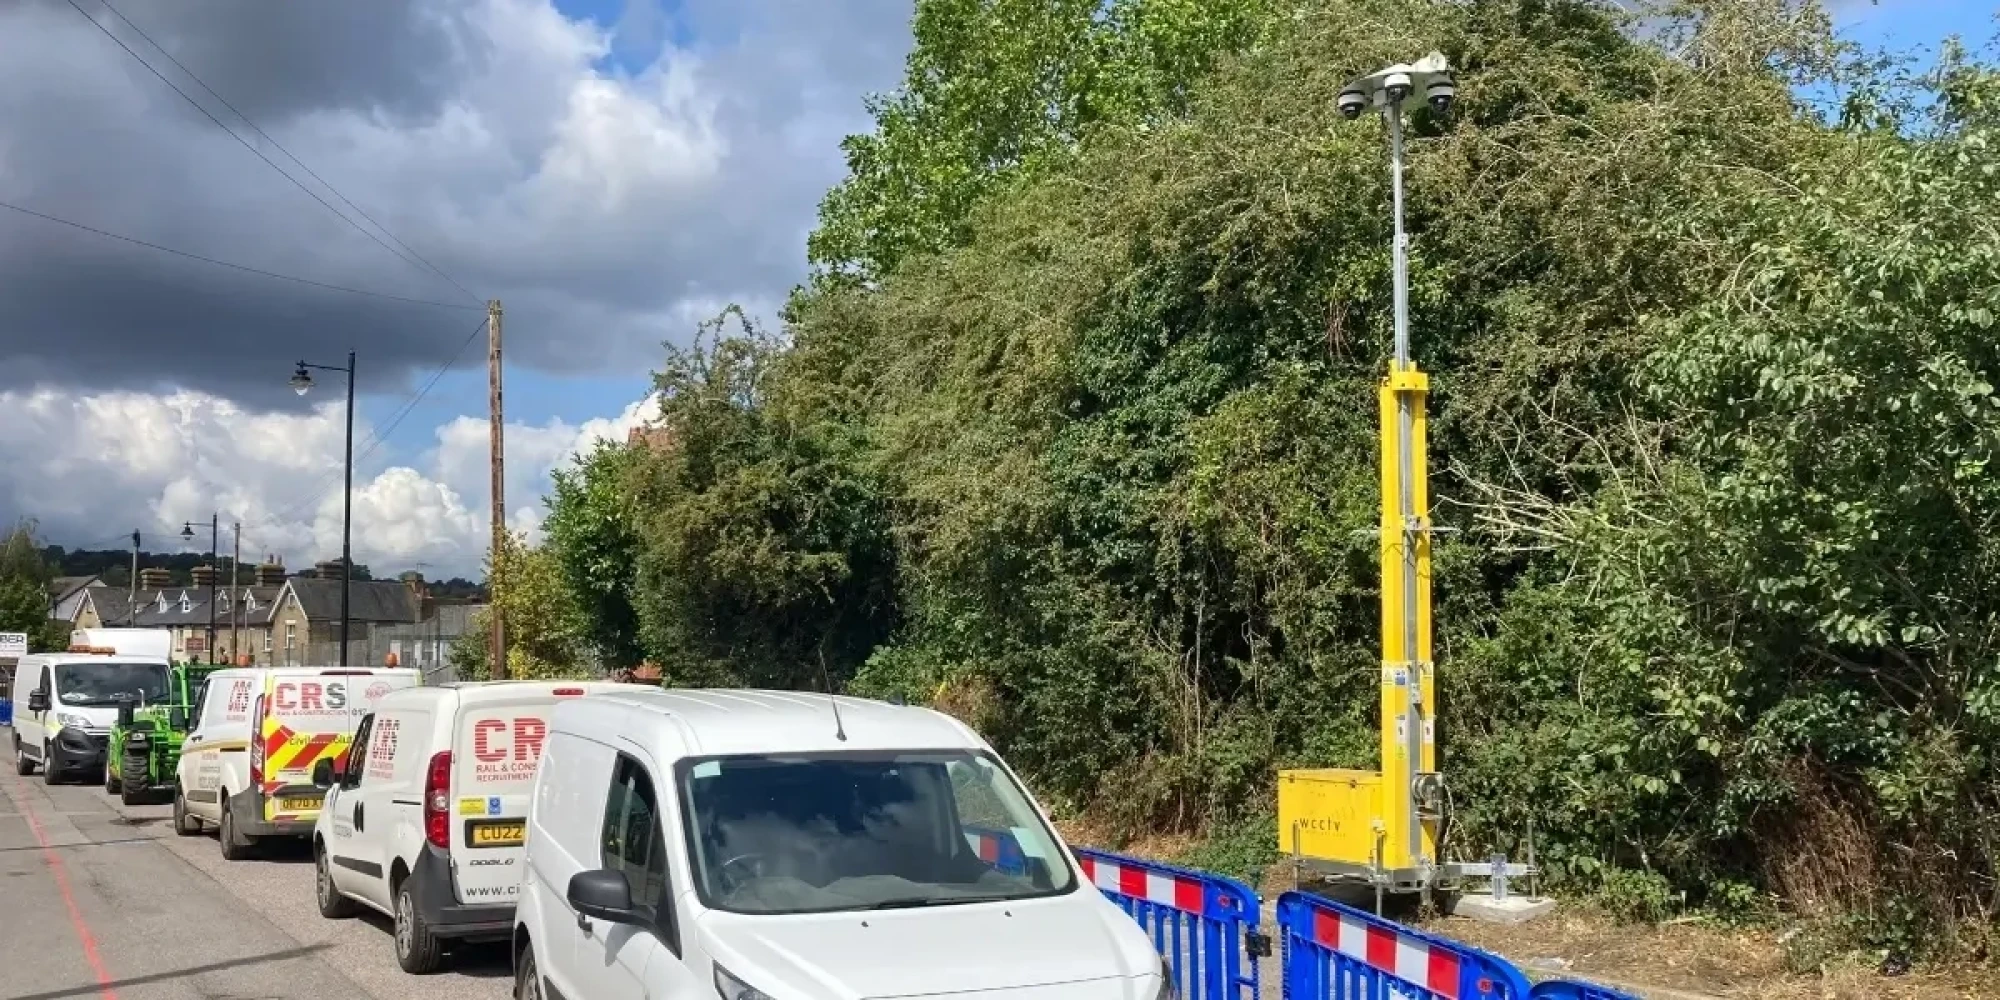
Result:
[[310, 714], [496, 749]]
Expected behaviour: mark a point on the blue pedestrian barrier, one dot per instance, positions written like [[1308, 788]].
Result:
[[1575, 989], [1336, 952], [6, 712], [1205, 925], [999, 848]]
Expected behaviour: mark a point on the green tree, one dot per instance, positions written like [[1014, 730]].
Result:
[[24, 592], [545, 629], [593, 535], [996, 90]]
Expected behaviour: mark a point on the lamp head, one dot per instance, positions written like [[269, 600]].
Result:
[[187, 532], [302, 380]]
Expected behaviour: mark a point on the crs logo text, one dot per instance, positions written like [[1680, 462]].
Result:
[[310, 696], [503, 747]]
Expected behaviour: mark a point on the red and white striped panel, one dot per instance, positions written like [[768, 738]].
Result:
[[1155, 887], [1408, 958]]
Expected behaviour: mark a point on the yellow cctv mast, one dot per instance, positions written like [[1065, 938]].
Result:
[[1381, 827]]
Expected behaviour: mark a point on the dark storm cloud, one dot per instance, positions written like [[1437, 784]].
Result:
[[604, 209]]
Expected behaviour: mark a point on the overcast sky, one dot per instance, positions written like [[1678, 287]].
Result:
[[613, 170]]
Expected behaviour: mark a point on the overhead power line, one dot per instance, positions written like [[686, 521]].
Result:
[[411, 259], [135, 241], [434, 269]]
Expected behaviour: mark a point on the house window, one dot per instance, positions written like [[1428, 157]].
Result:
[[186, 605], [224, 605], [267, 643]]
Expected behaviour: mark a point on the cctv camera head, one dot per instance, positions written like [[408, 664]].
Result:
[[1397, 86], [1351, 103], [1440, 93]]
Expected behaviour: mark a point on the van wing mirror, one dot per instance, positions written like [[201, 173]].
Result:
[[323, 776], [603, 894], [178, 718], [38, 701]]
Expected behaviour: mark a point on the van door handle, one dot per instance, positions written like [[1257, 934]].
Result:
[[360, 818]]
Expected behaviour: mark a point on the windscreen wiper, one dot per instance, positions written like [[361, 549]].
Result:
[[908, 903]]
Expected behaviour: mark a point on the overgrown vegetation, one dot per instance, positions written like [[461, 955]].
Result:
[[1074, 437]]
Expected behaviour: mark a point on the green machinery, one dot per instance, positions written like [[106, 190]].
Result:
[[145, 747]]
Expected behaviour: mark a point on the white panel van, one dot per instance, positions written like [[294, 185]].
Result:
[[66, 703], [246, 768], [424, 821], [772, 844]]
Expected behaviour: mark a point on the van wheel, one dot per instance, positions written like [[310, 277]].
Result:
[[235, 847], [22, 765], [417, 949], [184, 824], [51, 773], [332, 905], [527, 978]]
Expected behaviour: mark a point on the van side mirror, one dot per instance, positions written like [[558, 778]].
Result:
[[38, 701], [323, 777], [603, 894], [178, 718]]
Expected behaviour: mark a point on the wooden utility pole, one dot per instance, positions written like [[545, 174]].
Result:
[[497, 645]]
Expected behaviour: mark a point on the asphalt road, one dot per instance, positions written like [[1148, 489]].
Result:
[[100, 900]]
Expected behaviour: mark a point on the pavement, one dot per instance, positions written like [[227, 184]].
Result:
[[100, 900]]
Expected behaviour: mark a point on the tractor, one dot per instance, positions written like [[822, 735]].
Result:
[[145, 747]]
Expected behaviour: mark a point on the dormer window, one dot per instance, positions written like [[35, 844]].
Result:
[[186, 605], [249, 601], [163, 602], [223, 605]]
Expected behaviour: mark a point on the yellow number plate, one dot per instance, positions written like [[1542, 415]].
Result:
[[497, 834], [297, 805]]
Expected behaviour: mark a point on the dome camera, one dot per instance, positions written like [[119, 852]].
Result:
[[1440, 93], [1397, 86], [1351, 103]]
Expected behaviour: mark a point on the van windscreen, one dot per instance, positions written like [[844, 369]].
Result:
[[100, 683], [857, 831]]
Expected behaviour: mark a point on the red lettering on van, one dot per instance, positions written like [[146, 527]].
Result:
[[309, 697], [528, 736], [285, 699], [482, 731]]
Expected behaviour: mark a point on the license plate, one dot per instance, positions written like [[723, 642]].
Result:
[[298, 805], [506, 834]]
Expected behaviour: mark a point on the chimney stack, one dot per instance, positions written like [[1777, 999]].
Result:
[[204, 575], [156, 578], [271, 572], [327, 569]]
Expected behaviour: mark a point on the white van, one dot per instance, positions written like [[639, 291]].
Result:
[[766, 844], [66, 703], [246, 768], [424, 820]]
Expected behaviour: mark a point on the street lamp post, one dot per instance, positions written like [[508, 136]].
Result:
[[302, 382], [214, 547]]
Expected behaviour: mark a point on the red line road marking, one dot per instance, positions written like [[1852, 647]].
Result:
[[54, 861]]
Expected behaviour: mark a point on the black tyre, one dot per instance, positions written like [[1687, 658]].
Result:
[[332, 905], [52, 773], [235, 846], [112, 785], [527, 978], [22, 765], [184, 824], [418, 951]]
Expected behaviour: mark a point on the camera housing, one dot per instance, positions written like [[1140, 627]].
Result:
[[1440, 93], [1397, 86], [1351, 102]]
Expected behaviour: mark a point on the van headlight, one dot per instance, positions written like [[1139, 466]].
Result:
[[72, 720], [732, 988]]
